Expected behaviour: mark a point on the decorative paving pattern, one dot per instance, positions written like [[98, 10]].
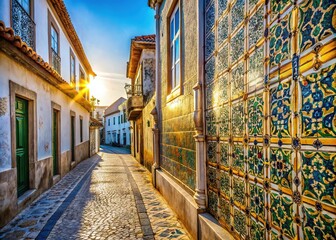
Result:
[[31, 221], [163, 220], [115, 201]]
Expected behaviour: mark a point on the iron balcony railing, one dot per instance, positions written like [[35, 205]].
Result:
[[23, 25], [55, 61], [133, 90]]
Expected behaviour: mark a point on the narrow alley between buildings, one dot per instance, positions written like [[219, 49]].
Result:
[[108, 196]]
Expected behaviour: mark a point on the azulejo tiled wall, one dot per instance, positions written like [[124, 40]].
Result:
[[178, 129], [270, 111]]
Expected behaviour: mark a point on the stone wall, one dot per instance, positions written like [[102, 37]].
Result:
[[148, 124], [82, 151], [177, 130]]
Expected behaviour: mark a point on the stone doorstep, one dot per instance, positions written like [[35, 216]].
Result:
[[26, 198], [56, 179]]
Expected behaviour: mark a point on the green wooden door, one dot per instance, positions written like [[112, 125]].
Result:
[[72, 138], [22, 159], [55, 142]]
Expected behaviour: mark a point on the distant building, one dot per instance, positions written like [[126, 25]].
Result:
[[44, 107], [98, 114], [141, 94], [117, 127]]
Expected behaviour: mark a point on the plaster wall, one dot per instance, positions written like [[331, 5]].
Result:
[[41, 8], [148, 124], [117, 128], [12, 71], [147, 62]]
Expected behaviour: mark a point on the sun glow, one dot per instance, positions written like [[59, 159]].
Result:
[[95, 87]]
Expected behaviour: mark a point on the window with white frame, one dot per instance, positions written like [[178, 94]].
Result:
[[175, 65]]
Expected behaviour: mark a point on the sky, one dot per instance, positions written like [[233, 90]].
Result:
[[105, 28]]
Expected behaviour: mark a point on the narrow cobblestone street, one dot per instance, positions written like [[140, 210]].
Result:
[[109, 196]]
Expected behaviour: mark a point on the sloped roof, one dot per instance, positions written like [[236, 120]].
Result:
[[145, 38], [8, 35], [137, 45], [151, 3], [114, 107]]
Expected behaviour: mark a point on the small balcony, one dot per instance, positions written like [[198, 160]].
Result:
[[23, 24], [135, 101], [55, 61]]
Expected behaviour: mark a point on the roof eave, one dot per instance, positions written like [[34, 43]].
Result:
[[136, 47], [151, 3]]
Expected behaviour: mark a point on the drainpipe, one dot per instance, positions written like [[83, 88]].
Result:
[[156, 112], [200, 195]]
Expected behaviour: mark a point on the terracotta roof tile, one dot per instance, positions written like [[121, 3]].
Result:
[[7, 33], [145, 38], [114, 106]]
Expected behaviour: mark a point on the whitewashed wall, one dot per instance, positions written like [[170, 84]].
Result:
[[122, 127], [41, 9], [10, 70]]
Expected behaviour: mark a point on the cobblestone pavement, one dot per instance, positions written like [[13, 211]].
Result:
[[107, 198]]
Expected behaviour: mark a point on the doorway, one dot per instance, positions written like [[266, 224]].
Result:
[[55, 139], [22, 151], [72, 138]]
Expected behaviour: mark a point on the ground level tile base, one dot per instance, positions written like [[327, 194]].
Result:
[[179, 200]]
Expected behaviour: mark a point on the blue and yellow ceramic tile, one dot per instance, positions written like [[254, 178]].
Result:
[[318, 224], [281, 167], [317, 22], [319, 176], [280, 42], [318, 112], [255, 106], [256, 161], [258, 231], [257, 201], [282, 213], [281, 109]]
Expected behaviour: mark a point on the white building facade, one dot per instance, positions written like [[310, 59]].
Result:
[[117, 127], [44, 107]]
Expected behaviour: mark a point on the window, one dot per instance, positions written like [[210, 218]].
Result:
[[54, 46], [175, 69], [82, 82], [81, 128], [121, 118], [108, 122], [54, 39], [118, 119], [125, 120], [25, 4], [72, 69], [22, 16], [113, 120]]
